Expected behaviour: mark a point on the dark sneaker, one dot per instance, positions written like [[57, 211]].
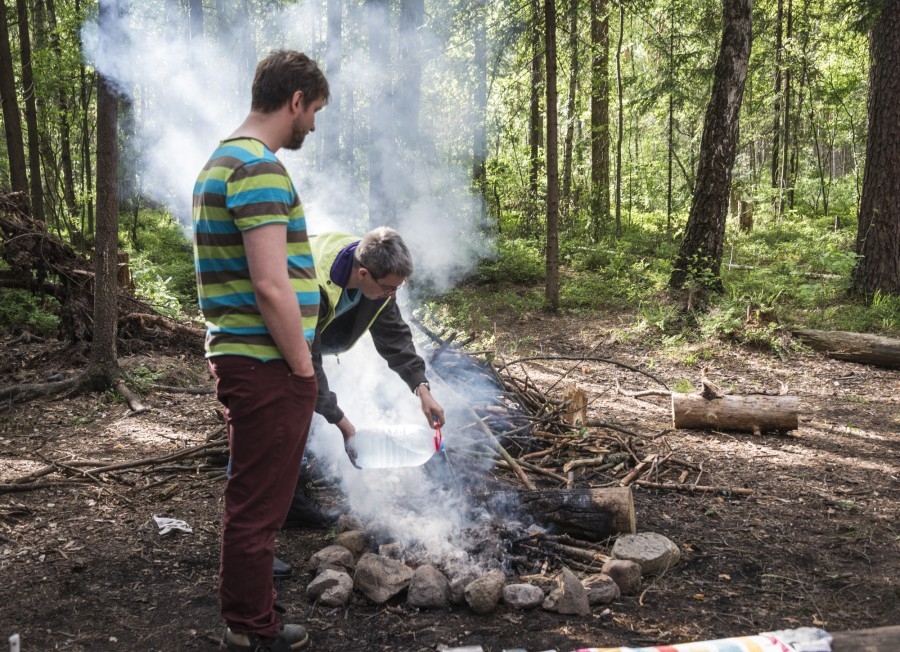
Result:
[[292, 637], [281, 568]]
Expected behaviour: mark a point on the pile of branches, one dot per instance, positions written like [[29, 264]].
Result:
[[540, 441], [45, 265]]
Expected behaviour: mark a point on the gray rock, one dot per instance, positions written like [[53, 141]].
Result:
[[331, 588], [379, 578], [429, 589], [654, 552], [332, 557], [458, 584], [392, 550], [356, 541], [626, 574], [601, 588], [483, 594], [569, 596], [347, 522], [522, 596]]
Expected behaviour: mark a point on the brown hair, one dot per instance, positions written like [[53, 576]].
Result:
[[283, 73]]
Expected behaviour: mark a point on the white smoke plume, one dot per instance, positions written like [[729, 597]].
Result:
[[187, 94]]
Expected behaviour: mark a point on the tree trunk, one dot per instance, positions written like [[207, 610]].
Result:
[[670, 131], [103, 368], [621, 128], [571, 118], [786, 181], [552, 288], [31, 117], [479, 130], [407, 96], [12, 120], [381, 136], [534, 132], [878, 236], [599, 117], [195, 8], [776, 109], [700, 256], [331, 136]]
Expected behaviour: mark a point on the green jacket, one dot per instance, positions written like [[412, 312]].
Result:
[[390, 333]]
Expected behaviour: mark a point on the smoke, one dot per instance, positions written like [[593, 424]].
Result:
[[430, 509], [187, 94]]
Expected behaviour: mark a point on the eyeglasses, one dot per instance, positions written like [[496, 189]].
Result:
[[388, 289]]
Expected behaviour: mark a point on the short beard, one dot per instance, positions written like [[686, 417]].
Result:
[[296, 141]]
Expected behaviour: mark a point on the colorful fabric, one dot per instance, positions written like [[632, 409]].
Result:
[[242, 187], [802, 639], [743, 644]]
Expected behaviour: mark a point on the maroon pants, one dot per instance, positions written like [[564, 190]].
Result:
[[268, 411]]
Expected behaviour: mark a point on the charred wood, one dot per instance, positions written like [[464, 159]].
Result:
[[590, 514]]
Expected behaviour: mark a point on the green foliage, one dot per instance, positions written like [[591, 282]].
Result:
[[517, 261], [162, 263], [142, 378], [790, 274], [682, 386], [22, 311]]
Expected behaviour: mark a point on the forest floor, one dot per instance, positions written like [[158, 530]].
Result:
[[815, 543]]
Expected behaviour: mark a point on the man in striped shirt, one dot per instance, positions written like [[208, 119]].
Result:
[[257, 287]]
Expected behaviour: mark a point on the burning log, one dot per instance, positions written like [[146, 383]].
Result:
[[756, 413], [854, 347], [590, 514]]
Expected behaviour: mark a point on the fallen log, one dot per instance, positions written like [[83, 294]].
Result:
[[880, 639], [854, 347], [588, 514], [755, 413]]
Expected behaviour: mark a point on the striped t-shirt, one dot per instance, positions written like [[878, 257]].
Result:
[[244, 186]]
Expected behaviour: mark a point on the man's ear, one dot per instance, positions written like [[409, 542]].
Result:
[[297, 100]]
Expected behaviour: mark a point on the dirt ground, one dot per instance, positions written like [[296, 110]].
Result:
[[816, 543]]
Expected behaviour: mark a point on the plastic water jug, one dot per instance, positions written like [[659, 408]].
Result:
[[395, 446]]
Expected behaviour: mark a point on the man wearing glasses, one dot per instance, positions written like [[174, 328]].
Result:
[[358, 281]]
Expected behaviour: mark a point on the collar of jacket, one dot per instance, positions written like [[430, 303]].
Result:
[[343, 265]]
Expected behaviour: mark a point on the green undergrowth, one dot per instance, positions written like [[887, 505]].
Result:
[[789, 274]]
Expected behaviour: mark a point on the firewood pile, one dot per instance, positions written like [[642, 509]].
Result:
[[545, 442], [549, 442]]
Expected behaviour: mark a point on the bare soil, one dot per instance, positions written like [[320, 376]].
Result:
[[816, 543]]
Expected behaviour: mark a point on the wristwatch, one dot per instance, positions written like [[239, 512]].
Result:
[[425, 383]]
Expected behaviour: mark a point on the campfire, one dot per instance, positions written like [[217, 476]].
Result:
[[502, 514]]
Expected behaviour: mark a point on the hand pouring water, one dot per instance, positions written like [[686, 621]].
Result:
[[396, 446]]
